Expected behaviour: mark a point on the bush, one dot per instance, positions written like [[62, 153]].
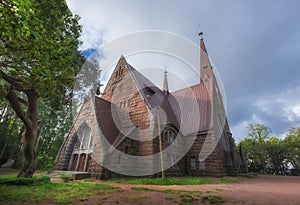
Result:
[[13, 180]]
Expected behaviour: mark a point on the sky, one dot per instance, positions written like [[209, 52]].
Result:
[[254, 46]]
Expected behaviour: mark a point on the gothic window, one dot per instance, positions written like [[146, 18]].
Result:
[[193, 163], [121, 104], [128, 103], [82, 148], [169, 135], [119, 72], [171, 160], [124, 104], [77, 145], [201, 164], [86, 137]]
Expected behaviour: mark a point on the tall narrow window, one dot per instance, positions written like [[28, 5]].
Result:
[[128, 103], [171, 136], [193, 163], [120, 104], [201, 164], [170, 159]]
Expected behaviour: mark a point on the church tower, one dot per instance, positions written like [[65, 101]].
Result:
[[206, 73], [165, 83]]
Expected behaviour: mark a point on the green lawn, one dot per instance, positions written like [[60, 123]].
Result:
[[59, 193], [174, 181]]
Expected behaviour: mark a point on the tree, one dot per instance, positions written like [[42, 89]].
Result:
[[276, 154], [292, 144], [55, 123], [38, 59], [10, 132], [254, 146]]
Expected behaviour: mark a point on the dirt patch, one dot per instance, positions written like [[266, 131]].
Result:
[[262, 190]]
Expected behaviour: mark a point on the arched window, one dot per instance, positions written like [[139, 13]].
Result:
[[169, 135], [82, 148]]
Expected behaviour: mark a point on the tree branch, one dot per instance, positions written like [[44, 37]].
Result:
[[13, 100], [11, 81], [21, 100]]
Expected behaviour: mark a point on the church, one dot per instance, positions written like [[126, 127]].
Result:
[[138, 129]]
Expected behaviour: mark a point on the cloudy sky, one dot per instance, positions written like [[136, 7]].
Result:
[[254, 45]]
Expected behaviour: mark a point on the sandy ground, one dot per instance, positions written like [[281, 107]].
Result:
[[261, 190]]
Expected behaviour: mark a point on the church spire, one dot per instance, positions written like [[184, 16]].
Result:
[[206, 73], [165, 84]]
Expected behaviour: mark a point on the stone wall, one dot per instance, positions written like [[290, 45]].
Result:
[[86, 115]]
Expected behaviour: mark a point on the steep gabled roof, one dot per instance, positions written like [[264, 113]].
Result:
[[152, 95], [189, 109], [193, 108], [110, 125]]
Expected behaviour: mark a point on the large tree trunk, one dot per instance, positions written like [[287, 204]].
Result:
[[30, 138], [30, 120]]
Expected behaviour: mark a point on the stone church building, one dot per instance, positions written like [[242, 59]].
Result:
[[135, 128]]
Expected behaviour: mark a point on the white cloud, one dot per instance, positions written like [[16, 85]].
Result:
[[240, 131], [285, 105]]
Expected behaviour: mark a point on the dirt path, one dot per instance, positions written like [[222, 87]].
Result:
[[262, 190]]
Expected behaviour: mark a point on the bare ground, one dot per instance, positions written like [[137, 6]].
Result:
[[261, 190]]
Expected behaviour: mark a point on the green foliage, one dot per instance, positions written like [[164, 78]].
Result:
[[55, 122], [55, 192], [254, 146], [187, 199], [213, 199], [39, 59], [38, 44], [292, 144], [174, 181], [65, 176], [271, 155], [12, 180], [10, 134]]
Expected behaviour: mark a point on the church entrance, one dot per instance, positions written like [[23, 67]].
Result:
[[82, 154]]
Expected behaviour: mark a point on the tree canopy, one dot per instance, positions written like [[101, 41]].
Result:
[[38, 59], [271, 154]]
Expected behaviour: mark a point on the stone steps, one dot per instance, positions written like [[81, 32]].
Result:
[[74, 175]]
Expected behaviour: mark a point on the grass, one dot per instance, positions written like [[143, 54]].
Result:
[[136, 198], [58, 193], [12, 180], [212, 199], [167, 191], [187, 197], [174, 181]]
